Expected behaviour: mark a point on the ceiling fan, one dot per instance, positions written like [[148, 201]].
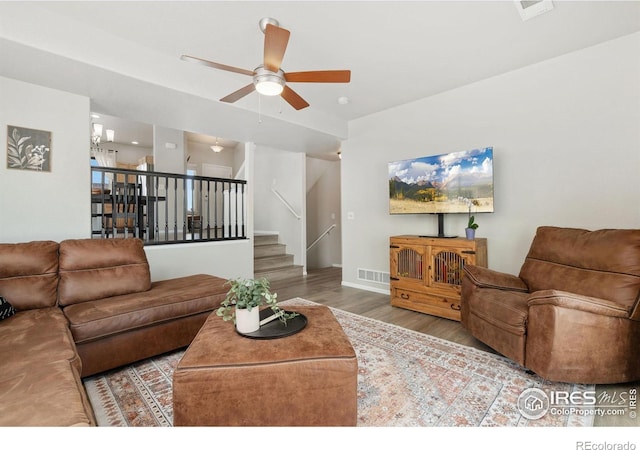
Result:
[[269, 78]]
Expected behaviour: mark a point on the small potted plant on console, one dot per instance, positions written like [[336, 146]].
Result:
[[471, 225]]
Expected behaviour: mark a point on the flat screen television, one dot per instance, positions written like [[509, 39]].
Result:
[[443, 184]]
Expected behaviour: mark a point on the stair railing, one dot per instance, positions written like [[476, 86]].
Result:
[[169, 208], [286, 203], [326, 232]]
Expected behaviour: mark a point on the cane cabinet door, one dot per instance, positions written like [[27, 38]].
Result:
[[446, 266], [408, 263]]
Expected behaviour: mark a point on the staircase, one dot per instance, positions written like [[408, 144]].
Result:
[[271, 260]]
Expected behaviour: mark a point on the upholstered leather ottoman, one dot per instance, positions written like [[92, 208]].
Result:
[[306, 379]]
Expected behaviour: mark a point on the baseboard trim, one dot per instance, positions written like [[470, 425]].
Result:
[[366, 288]]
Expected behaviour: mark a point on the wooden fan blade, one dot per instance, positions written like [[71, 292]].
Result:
[[319, 76], [293, 99], [237, 95], [215, 65], [275, 44]]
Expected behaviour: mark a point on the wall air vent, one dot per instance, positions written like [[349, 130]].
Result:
[[375, 276]]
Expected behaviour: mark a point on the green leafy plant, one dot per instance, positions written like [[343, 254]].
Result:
[[249, 294], [472, 223]]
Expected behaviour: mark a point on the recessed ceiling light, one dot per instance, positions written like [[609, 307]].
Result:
[[95, 116], [135, 142], [343, 100]]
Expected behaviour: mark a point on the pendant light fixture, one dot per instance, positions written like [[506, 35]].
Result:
[[96, 133], [217, 148]]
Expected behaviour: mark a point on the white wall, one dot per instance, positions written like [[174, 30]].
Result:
[[229, 259], [566, 140], [285, 171], [200, 153], [323, 210], [169, 150], [35, 205], [56, 205], [128, 154]]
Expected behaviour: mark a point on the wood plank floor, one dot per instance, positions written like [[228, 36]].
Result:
[[325, 286]]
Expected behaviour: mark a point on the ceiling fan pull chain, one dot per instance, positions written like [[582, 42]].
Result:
[[259, 109]]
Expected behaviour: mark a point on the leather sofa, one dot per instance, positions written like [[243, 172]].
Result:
[[572, 314], [84, 306]]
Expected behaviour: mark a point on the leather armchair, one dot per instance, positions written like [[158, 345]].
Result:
[[572, 314]]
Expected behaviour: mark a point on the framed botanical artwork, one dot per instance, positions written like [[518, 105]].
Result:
[[28, 149]]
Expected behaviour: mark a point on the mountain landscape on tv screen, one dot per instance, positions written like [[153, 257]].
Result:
[[446, 183]]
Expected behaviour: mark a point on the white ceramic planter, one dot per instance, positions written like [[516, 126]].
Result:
[[247, 321]]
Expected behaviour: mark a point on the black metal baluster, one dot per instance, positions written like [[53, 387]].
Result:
[[208, 209], [244, 234], [215, 209], [166, 209]]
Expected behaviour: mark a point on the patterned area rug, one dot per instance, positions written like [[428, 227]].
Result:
[[405, 378]]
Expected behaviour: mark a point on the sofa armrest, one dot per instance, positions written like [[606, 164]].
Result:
[[578, 302], [487, 278]]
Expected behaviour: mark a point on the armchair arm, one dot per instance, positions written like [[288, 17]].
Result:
[[578, 302], [487, 278]]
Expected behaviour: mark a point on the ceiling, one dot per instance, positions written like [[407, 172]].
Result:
[[128, 131], [125, 56]]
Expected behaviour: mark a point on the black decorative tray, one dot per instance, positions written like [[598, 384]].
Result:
[[276, 329]]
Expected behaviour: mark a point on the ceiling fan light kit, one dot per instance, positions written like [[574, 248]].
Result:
[[267, 82], [268, 78]]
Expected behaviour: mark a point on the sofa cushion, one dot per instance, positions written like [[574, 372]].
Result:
[[36, 335], [29, 274], [167, 300], [91, 269], [47, 394], [602, 263], [40, 372], [6, 309]]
